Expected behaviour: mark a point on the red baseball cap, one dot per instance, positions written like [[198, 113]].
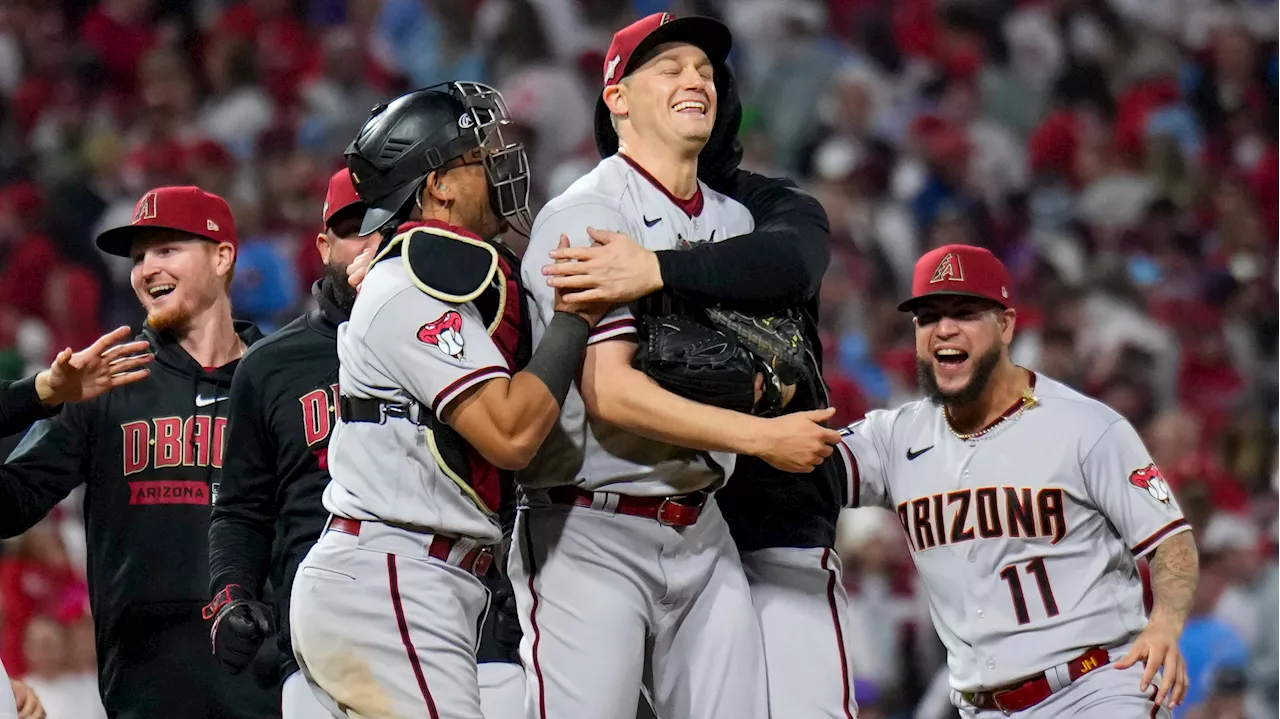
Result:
[[185, 209], [962, 270], [632, 43], [341, 195]]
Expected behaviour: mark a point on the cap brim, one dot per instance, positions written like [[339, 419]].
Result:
[[711, 36], [118, 241], [913, 303], [328, 221], [383, 210]]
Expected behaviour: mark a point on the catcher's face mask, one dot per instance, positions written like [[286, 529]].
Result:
[[505, 161]]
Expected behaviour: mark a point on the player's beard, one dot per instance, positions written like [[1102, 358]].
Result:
[[983, 368], [336, 282], [174, 320]]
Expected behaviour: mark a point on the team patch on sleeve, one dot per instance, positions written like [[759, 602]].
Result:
[[445, 334], [1151, 481]]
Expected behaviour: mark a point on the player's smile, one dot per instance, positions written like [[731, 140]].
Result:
[[950, 361]]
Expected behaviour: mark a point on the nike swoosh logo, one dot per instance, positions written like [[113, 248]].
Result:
[[206, 401], [650, 223], [912, 455]]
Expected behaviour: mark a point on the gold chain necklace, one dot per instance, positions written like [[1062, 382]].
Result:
[[1029, 400]]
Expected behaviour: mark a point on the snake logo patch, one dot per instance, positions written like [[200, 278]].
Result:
[[445, 334], [948, 269], [1150, 479]]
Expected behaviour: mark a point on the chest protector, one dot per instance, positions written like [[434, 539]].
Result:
[[457, 267]]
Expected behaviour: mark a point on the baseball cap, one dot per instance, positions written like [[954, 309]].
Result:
[[962, 270], [632, 43], [185, 209], [340, 195]]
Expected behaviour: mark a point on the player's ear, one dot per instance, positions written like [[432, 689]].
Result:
[[224, 260], [322, 246], [436, 188], [615, 98], [1008, 318]]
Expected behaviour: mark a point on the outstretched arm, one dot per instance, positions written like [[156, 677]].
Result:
[[73, 377], [781, 262], [616, 392]]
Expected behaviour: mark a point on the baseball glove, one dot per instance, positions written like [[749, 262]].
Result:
[[697, 362], [777, 340]]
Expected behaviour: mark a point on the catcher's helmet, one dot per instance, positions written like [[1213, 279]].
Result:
[[417, 133]]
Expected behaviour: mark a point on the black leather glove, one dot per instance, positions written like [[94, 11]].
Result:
[[240, 625]]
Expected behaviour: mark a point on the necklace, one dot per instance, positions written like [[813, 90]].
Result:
[[1027, 401]]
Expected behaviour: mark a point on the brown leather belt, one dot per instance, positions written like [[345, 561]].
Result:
[[678, 511], [1030, 692], [478, 561]]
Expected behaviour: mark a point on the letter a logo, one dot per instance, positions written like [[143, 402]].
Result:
[[146, 209], [948, 269]]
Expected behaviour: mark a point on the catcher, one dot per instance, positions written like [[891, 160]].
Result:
[[726, 351]]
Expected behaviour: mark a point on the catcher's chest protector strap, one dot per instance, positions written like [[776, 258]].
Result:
[[445, 263]]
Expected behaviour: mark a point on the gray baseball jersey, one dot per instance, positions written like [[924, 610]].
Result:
[[618, 195], [403, 345], [1026, 537]]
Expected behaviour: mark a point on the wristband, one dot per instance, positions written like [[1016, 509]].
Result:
[[559, 355]]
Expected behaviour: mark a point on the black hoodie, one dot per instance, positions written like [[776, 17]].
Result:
[[150, 454], [269, 510]]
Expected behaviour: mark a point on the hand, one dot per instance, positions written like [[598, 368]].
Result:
[[798, 442], [359, 268], [240, 625], [589, 311], [101, 366], [788, 390], [1157, 647], [29, 706], [614, 269]]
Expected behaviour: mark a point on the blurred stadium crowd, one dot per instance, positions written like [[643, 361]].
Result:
[[1119, 155]]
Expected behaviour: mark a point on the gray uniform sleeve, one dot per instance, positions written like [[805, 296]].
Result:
[[863, 452], [433, 349], [1127, 487], [573, 221]]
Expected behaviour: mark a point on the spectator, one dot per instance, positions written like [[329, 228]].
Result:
[[61, 691], [1209, 644], [33, 580], [238, 110]]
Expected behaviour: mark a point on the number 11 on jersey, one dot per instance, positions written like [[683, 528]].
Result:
[[1036, 569]]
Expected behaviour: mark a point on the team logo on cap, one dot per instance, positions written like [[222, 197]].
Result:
[[948, 269], [1150, 479], [445, 334], [146, 209], [465, 121]]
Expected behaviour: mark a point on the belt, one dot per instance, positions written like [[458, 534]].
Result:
[[1030, 692], [376, 411], [678, 511], [478, 561]]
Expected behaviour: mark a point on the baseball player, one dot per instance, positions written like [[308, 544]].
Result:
[[783, 524], [1026, 506], [622, 560], [283, 405], [151, 455], [433, 412]]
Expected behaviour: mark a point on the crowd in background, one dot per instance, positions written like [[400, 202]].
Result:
[[1119, 155]]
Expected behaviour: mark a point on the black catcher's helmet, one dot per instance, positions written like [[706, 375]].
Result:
[[405, 140]]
